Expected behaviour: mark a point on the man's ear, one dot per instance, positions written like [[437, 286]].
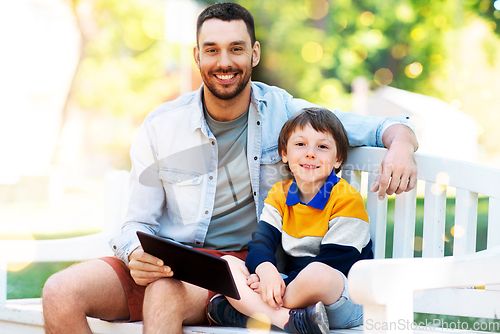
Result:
[[196, 55], [256, 54]]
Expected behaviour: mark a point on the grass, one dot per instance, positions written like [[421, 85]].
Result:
[[28, 282]]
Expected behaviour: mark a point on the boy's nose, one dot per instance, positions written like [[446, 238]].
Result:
[[310, 153]]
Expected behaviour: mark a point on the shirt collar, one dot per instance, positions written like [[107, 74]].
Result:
[[320, 199]]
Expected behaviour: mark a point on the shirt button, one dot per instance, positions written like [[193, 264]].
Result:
[[210, 177], [255, 158], [255, 193], [213, 143], [206, 212], [258, 122]]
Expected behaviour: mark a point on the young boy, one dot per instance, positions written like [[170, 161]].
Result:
[[322, 225]]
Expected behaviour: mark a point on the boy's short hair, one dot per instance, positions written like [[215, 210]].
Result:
[[321, 120], [227, 11]]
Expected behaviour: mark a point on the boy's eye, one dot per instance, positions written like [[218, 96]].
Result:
[[299, 144], [323, 147]]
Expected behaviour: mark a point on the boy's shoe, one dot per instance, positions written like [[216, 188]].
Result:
[[221, 312], [312, 319]]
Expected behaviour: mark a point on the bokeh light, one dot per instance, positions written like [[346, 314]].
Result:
[[417, 34], [457, 231], [437, 189], [383, 77], [496, 4], [329, 93], [134, 36], [440, 21], [456, 103], [399, 51], [405, 13], [436, 59], [359, 53], [153, 23], [317, 9], [414, 70], [367, 19], [259, 321], [312, 52], [486, 93], [443, 178]]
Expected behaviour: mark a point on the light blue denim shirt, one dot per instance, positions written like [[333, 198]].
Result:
[[174, 163]]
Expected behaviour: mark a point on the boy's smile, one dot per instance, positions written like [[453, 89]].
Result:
[[311, 156]]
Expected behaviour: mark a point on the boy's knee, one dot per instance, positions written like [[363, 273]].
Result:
[[323, 275]]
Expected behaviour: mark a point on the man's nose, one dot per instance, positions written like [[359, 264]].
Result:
[[225, 59]]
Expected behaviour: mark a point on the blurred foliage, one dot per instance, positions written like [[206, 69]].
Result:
[[312, 48]]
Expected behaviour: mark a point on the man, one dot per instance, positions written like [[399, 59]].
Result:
[[201, 167]]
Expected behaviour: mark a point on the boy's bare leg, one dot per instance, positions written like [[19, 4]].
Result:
[[89, 288], [170, 303], [316, 282], [251, 302]]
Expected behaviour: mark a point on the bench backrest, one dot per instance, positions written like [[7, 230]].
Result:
[[435, 237]]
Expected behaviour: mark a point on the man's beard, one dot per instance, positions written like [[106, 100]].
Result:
[[222, 93]]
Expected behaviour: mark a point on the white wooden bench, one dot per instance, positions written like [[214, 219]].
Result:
[[389, 289]]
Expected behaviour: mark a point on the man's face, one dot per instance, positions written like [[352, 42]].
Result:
[[225, 56]]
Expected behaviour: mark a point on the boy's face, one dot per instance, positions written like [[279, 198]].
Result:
[[311, 156]]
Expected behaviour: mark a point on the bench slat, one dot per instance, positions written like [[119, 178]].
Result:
[[434, 220], [404, 224], [465, 229], [377, 211]]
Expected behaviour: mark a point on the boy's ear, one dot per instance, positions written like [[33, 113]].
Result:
[[283, 157], [337, 164]]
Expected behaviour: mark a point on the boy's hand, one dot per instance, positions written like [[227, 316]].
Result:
[[271, 286], [146, 268], [253, 282]]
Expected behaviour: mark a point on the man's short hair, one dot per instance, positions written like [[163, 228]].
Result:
[[227, 11], [321, 120]]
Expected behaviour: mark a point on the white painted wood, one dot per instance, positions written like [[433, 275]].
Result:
[[494, 222], [466, 302], [434, 220], [465, 229], [389, 289], [404, 224], [353, 178], [377, 211], [3, 283]]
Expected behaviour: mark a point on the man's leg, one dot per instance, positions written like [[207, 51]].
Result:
[[86, 289], [170, 303]]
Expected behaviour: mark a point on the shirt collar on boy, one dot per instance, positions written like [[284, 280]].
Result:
[[320, 199]]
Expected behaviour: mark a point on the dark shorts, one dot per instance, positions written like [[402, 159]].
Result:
[[135, 293]]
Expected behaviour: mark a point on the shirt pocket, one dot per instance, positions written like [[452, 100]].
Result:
[[183, 193]]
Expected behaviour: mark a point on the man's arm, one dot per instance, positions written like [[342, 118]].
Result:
[[398, 171]]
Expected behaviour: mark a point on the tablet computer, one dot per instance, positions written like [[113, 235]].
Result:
[[191, 265]]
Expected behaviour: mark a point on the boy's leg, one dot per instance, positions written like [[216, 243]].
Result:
[[344, 313], [89, 288], [251, 302], [316, 282]]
